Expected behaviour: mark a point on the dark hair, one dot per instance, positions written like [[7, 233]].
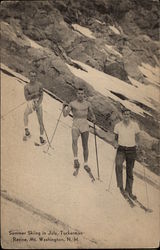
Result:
[[80, 89], [32, 71], [125, 110]]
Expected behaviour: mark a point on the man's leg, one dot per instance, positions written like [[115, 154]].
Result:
[[130, 160], [84, 137], [27, 112], [39, 113], [75, 136], [120, 157]]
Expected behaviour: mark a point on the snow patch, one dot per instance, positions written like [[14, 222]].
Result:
[[111, 49], [152, 73], [14, 73], [115, 30], [149, 90], [99, 21], [85, 31], [33, 44], [105, 83]]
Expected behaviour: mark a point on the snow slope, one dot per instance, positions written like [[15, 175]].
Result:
[[107, 84], [45, 182]]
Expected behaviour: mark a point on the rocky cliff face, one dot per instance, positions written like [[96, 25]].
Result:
[[115, 37]]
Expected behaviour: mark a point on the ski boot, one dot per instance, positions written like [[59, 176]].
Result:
[[88, 170], [27, 134], [123, 192], [42, 141], [132, 196], [76, 166]]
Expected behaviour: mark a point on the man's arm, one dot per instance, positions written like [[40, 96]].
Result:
[[66, 109], [115, 142], [137, 135], [116, 132], [27, 95], [137, 139], [92, 113]]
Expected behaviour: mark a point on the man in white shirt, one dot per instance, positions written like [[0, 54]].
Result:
[[126, 139]]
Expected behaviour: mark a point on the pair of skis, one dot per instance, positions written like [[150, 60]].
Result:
[[136, 202], [132, 203], [37, 144], [26, 138], [76, 171]]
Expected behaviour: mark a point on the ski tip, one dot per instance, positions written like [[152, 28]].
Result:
[[39, 144], [149, 210], [98, 179], [74, 175], [46, 152], [107, 190]]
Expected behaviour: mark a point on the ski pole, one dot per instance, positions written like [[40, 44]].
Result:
[[96, 152], [143, 154], [108, 189], [54, 131], [2, 117], [47, 138]]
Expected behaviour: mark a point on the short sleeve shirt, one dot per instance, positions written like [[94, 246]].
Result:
[[126, 134]]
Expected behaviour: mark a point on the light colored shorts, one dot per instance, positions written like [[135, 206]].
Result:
[[30, 105], [80, 126]]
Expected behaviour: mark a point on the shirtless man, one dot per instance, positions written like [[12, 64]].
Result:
[[80, 109], [33, 92]]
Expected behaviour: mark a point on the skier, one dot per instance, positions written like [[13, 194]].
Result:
[[126, 142], [80, 109], [33, 92]]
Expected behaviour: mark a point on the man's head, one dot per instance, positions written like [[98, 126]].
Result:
[[126, 114], [32, 75], [80, 94]]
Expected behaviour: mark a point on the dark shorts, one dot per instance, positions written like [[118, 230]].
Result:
[[129, 152]]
